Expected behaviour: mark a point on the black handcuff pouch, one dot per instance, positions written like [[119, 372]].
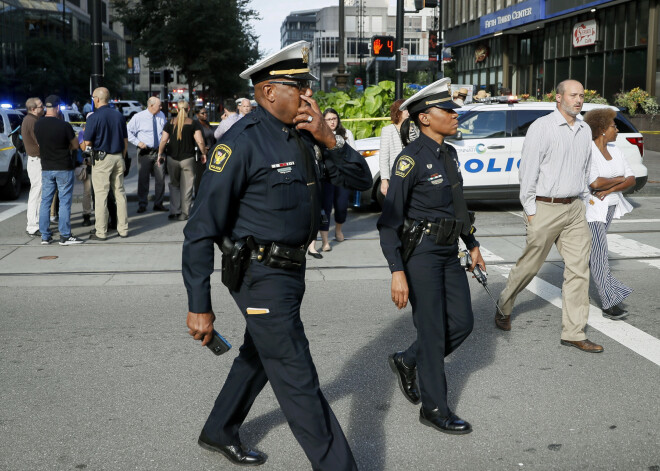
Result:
[[281, 256]]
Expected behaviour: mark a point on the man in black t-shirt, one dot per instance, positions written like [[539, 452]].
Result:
[[56, 140]]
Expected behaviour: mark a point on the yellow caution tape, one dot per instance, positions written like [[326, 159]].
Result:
[[650, 132], [364, 119], [7, 148]]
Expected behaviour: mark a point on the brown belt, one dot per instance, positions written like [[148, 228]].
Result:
[[567, 200]]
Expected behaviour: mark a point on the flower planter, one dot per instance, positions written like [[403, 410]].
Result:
[[644, 122]]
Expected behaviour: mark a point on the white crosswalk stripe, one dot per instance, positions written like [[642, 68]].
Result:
[[627, 335]]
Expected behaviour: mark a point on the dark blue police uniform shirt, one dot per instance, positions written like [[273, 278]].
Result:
[[106, 130], [419, 189], [256, 184]]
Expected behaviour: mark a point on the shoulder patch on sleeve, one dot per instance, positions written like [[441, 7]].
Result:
[[219, 158], [404, 165]]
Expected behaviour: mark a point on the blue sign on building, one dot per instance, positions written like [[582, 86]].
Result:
[[510, 17]]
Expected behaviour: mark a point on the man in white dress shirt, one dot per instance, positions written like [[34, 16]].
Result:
[[144, 131], [553, 176]]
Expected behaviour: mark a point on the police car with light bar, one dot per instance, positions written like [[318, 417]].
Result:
[[13, 160], [489, 146]]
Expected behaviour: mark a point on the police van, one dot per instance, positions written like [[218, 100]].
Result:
[[13, 159], [489, 146]]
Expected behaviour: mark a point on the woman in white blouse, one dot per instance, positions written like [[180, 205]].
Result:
[[608, 177], [390, 143]]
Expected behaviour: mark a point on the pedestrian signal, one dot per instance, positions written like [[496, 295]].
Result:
[[382, 46]]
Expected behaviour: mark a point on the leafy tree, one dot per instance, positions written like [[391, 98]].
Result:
[[209, 41], [53, 67]]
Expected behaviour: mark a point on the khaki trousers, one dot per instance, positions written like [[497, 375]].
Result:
[[109, 173], [566, 226], [182, 178]]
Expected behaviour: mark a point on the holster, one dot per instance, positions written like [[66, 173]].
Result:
[[411, 236], [235, 261]]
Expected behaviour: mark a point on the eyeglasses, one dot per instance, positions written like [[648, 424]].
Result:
[[613, 126], [300, 84]]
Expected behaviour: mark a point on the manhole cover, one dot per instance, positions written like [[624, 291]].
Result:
[[48, 257]]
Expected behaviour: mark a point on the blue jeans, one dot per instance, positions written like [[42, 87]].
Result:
[[62, 181]]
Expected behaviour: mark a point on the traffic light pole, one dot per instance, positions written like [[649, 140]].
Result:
[[97, 44], [399, 45]]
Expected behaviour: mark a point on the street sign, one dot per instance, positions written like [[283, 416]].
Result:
[[404, 59]]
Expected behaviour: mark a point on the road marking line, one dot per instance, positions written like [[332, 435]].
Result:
[[631, 337], [489, 256], [634, 221], [630, 248], [20, 207], [516, 213]]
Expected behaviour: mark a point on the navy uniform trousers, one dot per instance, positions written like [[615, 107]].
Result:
[[442, 314], [276, 349]]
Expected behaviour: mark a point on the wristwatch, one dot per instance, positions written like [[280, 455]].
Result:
[[339, 142]]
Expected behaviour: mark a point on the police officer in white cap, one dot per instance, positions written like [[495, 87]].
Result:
[[425, 205], [260, 200]]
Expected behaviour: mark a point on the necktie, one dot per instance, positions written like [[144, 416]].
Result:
[[155, 133], [460, 207]]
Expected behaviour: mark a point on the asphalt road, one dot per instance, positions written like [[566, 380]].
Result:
[[97, 370]]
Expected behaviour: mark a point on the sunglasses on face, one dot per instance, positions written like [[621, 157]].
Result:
[[300, 84]]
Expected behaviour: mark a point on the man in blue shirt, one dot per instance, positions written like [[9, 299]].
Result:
[[106, 133], [144, 131]]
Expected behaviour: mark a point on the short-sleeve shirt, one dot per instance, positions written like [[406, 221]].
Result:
[[54, 137], [106, 130], [184, 148]]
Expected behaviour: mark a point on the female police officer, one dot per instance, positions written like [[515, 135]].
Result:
[[423, 215]]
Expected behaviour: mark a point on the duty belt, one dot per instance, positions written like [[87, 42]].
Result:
[[567, 200], [276, 255], [444, 232]]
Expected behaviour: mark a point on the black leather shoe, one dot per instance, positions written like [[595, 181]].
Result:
[[615, 313], [160, 207], [237, 454], [452, 424], [406, 377], [142, 209], [87, 220], [315, 254]]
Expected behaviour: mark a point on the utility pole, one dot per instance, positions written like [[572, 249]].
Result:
[[398, 46], [97, 44], [341, 77]]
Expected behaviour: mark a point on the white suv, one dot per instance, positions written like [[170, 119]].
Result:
[[13, 162], [489, 145], [128, 107]]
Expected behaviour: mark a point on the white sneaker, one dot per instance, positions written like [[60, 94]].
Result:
[[71, 240], [46, 241], [53, 219]]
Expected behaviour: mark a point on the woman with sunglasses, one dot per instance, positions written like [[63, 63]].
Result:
[[608, 177], [424, 214]]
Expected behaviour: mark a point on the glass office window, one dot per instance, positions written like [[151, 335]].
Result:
[[631, 24], [595, 72], [578, 65], [613, 76], [562, 71], [619, 25], [635, 74]]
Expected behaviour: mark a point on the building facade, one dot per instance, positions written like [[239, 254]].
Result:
[[60, 20], [529, 46], [363, 19]]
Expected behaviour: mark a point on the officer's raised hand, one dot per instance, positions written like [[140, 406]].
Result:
[[310, 119], [200, 326]]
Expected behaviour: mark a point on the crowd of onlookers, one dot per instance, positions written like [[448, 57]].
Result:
[[99, 159]]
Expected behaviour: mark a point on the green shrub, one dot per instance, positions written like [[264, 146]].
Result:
[[374, 102], [632, 100]]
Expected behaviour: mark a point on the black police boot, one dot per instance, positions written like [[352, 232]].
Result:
[[87, 221], [406, 377], [237, 454], [452, 424]]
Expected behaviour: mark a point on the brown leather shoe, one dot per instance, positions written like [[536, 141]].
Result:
[[584, 345], [502, 322]]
